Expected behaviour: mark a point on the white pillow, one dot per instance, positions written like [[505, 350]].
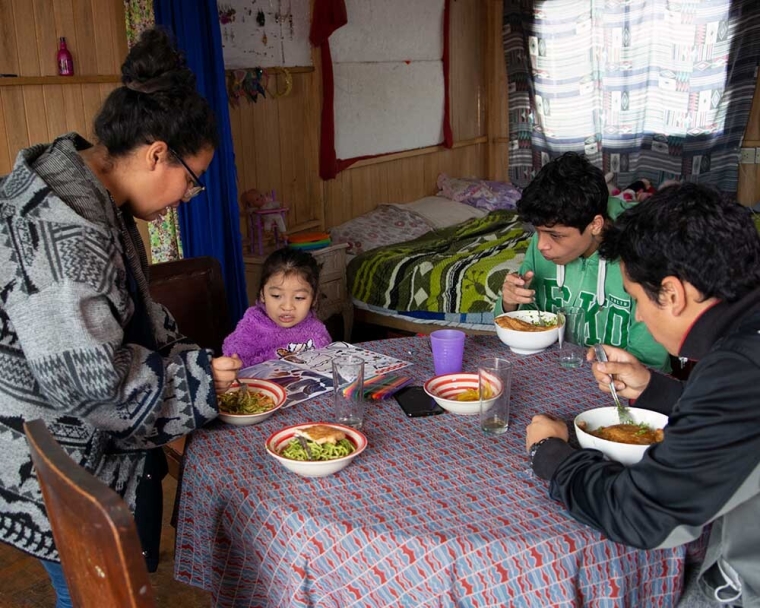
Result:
[[441, 212]]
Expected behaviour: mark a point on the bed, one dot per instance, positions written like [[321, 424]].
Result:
[[434, 262]]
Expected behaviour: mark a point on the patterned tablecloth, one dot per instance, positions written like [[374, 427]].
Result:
[[433, 513]]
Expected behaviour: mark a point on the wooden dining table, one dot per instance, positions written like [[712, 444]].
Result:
[[433, 513]]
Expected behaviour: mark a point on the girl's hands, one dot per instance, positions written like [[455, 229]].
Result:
[[516, 290], [630, 376], [224, 370]]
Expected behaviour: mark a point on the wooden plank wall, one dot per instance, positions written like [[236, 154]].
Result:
[[29, 32], [277, 140], [749, 174]]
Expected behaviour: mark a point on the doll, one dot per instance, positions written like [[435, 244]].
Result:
[[253, 199]]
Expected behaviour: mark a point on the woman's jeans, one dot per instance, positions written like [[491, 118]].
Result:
[[59, 584]]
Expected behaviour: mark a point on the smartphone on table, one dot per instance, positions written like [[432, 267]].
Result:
[[416, 402]]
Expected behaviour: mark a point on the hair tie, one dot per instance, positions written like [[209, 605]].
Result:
[[148, 87]]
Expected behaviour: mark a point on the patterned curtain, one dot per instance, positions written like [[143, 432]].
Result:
[[165, 244], [656, 89]]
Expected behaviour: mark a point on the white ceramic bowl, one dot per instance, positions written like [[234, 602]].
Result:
[[528, 342], [624, 453], [314, 468], [444, 390], [270, 389]]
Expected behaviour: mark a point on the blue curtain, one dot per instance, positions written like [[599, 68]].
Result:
[[210, 224]]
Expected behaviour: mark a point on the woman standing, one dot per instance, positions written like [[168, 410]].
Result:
[[82, 344]]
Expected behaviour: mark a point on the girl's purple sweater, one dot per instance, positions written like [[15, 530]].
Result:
[[257, 338]]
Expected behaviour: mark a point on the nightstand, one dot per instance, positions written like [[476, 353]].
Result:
[[333, 297]]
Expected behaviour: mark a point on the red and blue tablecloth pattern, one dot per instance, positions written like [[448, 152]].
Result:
[[433, 513]]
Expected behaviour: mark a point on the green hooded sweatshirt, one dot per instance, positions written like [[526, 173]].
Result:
[[596, 285]]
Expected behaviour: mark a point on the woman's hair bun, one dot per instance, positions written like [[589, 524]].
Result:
[[158, 102], [154, 64]]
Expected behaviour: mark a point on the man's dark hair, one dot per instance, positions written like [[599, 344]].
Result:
[[568, 190], [692, 233]]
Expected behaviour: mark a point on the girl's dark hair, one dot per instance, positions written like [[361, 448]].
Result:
[[292, 261], [158, 102], [690, 232], [569, 191]]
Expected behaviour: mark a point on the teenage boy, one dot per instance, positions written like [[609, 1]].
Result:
[[569, 205], [692, 262]]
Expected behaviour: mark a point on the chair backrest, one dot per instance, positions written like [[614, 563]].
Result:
[[94, 531], [193, 291]]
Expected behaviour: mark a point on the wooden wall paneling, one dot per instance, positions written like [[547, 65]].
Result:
[[55, 110], [46, 36], [250, 172], [74, 109], [8, 54], [294, 191], [105, 58], [467, 25], [391, 175], [85, 53], [338, 199], [91, 104], [267, 126], [6, 162], [748, 189], [312, 95], [36, 120], [15, 119], [28, 55], [497, 96], [63, 12], [410, 172]]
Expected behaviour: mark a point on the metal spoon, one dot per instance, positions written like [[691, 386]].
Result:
[[623, 414], [538, 310]]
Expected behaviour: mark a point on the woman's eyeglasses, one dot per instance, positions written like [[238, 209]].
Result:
[[197, 187]]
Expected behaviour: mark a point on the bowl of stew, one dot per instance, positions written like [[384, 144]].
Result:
[[600, 429]]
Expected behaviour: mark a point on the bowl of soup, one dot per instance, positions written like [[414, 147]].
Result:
[[527, 332], [459, 393], [601, 429]]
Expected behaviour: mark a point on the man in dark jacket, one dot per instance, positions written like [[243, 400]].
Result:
[[692, 263]]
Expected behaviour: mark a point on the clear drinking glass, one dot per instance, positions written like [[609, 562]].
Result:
[[495, 384], [571, 336], [348, 394]]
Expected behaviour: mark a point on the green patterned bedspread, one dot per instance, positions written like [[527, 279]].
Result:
[[458, 269]]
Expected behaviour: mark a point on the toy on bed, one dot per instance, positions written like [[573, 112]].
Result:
[[265, 214]]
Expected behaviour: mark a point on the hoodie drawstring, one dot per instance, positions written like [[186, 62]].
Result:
[[601, 276]]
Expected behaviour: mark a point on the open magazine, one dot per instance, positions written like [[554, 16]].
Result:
[[309, 373]]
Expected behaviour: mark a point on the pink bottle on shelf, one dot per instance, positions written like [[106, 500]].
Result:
[[64, 59]]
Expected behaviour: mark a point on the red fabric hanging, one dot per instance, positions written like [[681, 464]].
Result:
[[328, 16]]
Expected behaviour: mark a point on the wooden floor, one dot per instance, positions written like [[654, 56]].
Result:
[[25, 584]]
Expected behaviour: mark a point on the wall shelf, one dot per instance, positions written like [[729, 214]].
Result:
[[41, 80]]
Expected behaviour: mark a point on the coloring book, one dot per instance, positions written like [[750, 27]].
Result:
[[309, 373]]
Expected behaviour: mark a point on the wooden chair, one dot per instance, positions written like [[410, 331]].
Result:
[[193, 291], [93, 529]]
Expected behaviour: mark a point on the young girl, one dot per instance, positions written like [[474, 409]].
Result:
[[283, 321]]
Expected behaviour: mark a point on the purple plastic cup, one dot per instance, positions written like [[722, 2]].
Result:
[[448, 349]]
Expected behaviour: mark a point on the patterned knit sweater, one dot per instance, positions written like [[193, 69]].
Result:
[[70, 353]]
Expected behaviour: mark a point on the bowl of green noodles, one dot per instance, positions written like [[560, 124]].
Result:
[[250, 405], [331, 450]]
